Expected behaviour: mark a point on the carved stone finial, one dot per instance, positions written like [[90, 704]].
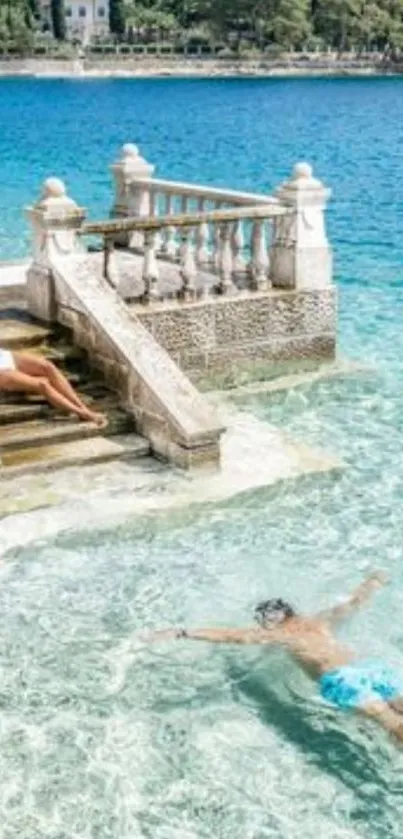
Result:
[[303, 188], [302, 170], [53, 188], [131, 161], [130, 150]]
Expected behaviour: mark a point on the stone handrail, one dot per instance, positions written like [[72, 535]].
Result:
[[138, 193], [203, 194], [112, 227], [229, 244]]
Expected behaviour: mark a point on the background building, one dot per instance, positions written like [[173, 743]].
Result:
[[84, 18]]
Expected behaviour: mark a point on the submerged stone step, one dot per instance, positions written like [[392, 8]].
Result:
[[77, 453]]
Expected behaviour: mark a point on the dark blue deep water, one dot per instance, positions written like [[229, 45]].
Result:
[[101, 736]]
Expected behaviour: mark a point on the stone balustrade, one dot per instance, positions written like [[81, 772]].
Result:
[[216, 251], [296, 255], [138, 193], [230, 284]]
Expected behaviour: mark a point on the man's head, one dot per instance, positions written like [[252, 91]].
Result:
[[273, 612]]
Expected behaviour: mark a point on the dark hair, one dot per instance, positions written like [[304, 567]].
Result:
[[273, 611]]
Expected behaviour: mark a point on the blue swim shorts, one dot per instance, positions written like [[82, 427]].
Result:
[[360, 684]]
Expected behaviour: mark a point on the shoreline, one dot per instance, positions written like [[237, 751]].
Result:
[[190, 68]]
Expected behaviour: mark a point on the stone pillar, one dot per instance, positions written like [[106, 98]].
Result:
[[301, 256], [55, 219], [132, 199]]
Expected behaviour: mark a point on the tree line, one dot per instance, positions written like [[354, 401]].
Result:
[[235, 24], [288, 24]]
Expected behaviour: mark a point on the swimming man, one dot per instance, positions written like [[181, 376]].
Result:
[[371, 688]]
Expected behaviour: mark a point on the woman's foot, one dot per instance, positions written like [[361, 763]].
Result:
[[100, 420]]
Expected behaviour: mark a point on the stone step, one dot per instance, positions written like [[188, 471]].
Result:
[[92, 392], [76, 453], [19, 335], [60, 354], [16, 412], [38, 432], [57, 428]]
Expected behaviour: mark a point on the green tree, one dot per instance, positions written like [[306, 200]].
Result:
[[34, 8], [117, 16], [336, 21], [288, 22], [225, 17], [58, 19], [393, 25], [16, 25], [22, 36], [151, 20], [285, 22]]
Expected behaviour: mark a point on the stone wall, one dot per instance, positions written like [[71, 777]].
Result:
[[225, 340]]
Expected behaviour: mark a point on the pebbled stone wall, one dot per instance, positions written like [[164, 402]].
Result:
[[229, 339]]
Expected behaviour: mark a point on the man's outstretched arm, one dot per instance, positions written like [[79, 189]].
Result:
[[220, 636], [357, 598]]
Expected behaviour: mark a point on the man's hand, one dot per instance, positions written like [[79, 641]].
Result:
[[166, 635], [357, 598], [379, 577]]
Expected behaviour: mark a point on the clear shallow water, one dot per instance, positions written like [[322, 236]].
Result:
[[102, 736]]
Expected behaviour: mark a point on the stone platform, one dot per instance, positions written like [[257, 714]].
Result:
[[254, 455]]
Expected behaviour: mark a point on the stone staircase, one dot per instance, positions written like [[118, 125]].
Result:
[[36, 438]]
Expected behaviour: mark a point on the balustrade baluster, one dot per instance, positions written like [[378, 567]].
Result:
[[238, 243], [188, 267], [226, 285], [202, 238], [156, 211], [110, 267], [170, 245], [150, 268], [217, 243], [259, 266]]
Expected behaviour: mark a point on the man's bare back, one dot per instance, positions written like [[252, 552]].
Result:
[[372, 689], [312, 644]]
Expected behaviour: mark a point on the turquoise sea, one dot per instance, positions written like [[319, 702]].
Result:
[[101, 736]]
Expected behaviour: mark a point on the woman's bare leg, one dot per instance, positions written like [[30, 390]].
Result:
[[32, 365], [13, 381], [37, 367]]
